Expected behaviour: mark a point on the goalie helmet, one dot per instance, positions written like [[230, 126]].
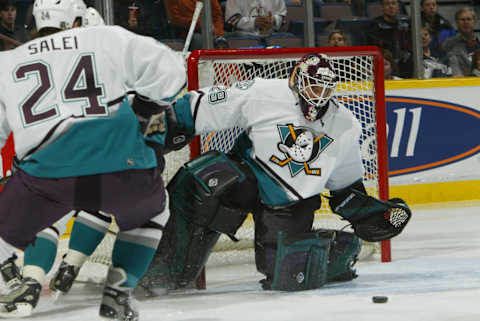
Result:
[[60, 14], [313, 81], [92, 18]]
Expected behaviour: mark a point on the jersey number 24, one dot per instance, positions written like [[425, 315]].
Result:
[[81, 84]]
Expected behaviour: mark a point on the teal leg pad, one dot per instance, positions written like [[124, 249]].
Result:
[[84, 238], [42, 253], [301, 262], [181, 254], [133, 258], [342, 257]]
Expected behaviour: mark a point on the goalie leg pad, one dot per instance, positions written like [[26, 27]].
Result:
[[197, 191], [199, 216], [180, 256], [293, 220], [343, 255], [302, 261]]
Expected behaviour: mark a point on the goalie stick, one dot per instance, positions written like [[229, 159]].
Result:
[[196, 14]]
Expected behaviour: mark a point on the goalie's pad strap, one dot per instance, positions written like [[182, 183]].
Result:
[[301, 262], [342, 257]]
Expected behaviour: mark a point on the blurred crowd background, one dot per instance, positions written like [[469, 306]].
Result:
[[448, 29]]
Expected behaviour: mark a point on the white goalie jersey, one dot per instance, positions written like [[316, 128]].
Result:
[[301, 157]]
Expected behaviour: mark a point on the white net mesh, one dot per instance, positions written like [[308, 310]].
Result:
[[355, 90]]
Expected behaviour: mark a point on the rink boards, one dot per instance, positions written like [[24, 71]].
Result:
[[434, 139]]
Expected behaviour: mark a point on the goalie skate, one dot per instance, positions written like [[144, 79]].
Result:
[[11, 273], [118, 305], [118, 302], [22, 300], [64, 278]]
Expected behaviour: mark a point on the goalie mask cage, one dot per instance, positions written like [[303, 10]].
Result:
[[360, 88]]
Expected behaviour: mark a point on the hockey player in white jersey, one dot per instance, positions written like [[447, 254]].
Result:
[[298, 140], [81, 146], [87, 232], [92, 18]]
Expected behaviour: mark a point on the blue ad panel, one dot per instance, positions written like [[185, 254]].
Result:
[[425, 133]]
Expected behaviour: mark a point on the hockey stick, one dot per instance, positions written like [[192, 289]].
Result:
[[11, 40], [196, 14]]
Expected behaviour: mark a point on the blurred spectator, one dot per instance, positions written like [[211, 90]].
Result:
[[8, 15], [440, 27], [130, 15], [180, 13], [461, 47], [336, 38], [476, 63], [389, 66], [24, 13], [433, 66], [255, 17], [158, 20], [390, 32]]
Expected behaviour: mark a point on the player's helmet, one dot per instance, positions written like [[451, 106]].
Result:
[[313, 81], [92, 18], [60, 14]]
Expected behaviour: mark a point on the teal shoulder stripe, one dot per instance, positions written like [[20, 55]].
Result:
[[94, 146], [270, 192], [183, 112]]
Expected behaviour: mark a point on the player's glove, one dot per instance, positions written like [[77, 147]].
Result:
[[150, 115]]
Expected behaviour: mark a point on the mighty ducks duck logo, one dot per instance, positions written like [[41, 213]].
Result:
[[300, 148]]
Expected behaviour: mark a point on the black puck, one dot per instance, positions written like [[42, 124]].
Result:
[[380, 299]]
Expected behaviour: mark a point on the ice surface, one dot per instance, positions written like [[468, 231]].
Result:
[[435, 275]]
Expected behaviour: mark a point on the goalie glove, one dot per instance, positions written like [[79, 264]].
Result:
[[178, 133], [387, 221], [373, 220]]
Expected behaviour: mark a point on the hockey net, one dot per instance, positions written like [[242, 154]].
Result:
[[360, 89]]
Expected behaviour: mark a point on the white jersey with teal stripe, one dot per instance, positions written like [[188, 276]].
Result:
[[63, 97], [293, 158]]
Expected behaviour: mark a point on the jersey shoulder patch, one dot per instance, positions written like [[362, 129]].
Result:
[[217, 94]]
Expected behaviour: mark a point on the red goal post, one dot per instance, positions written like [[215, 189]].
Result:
[[360, 69]]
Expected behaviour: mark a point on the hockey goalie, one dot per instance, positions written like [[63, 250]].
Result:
[[298, 141]]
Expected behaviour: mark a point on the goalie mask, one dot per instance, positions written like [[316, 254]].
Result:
[[313, 81]]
